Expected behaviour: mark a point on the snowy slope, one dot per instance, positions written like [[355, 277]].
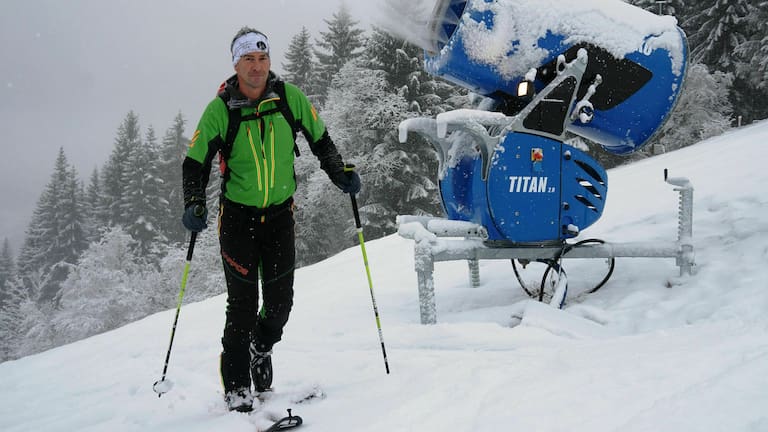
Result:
[[672, 353]]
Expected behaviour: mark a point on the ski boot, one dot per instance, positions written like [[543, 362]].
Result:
[[240, 400], [261, 369]]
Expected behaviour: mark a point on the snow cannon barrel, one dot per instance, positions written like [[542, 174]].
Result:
[[636, 60]]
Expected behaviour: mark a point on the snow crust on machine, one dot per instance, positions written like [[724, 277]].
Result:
[[510, 44]]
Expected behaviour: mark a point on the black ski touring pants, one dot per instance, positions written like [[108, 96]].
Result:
[[255, 244]]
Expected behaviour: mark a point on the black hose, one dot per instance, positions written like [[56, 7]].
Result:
[[520, 280], [553, 264], [610, 269]]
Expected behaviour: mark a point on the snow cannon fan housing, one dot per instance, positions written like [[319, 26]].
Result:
[[637, 60]]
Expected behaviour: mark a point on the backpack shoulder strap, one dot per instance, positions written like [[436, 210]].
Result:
[[233, 125], [285, 109]]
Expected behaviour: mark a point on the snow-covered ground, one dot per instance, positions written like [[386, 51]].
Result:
[[670, 353]]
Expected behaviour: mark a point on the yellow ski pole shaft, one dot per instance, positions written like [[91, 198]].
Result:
[[160, 387], [359, 227]]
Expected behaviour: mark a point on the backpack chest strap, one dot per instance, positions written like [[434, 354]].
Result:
[[256, 115]]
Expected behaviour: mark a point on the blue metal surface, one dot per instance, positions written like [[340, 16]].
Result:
[[536, 188], [524, 189]]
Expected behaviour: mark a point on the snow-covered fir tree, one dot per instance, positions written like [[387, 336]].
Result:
[[300, 65], [750, 88], [9, 319], [754, 52], [7, 268], [341, 43], [54, 240], [676, 8], [364, 114], [55, 236], [311, 181], [73, 237], [115, 171], [95, 210], [142, 205], [21, 318], [171, 155], [361, 114], [427, 96], [716, 30], [11, 300], [403, 64]]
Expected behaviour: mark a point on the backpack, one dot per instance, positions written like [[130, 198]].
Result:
[[235, 118]]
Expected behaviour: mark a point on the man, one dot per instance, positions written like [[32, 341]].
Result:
[[256, 225]]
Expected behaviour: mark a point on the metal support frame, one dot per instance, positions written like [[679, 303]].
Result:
[[432, 245], [474, 272]]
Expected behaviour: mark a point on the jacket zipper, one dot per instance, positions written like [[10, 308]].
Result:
[[255, 157], [272, 144]]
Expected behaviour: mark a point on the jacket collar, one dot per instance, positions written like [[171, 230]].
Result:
[[238, 100]]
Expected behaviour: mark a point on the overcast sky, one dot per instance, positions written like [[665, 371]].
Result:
[[71, 70]]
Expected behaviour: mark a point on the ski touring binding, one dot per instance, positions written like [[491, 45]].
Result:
[[285, 423]]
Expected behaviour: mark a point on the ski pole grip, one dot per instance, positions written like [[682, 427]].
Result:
[[191, 245], [358, 225]]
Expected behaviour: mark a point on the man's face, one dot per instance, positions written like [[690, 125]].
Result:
[[253, 69]]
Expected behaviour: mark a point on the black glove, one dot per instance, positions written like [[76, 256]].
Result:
[[194, 218], [347, 180]]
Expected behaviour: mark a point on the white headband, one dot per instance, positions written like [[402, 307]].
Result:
[[248, 43]]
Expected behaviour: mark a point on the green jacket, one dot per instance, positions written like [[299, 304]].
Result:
[[259, 171]]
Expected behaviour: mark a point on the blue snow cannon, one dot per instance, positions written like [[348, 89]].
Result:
[[603, 70]]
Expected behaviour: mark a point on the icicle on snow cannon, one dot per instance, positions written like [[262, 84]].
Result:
[[601, 69]]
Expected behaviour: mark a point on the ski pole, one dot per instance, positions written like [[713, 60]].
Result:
[[359, 227], [163, 386]]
